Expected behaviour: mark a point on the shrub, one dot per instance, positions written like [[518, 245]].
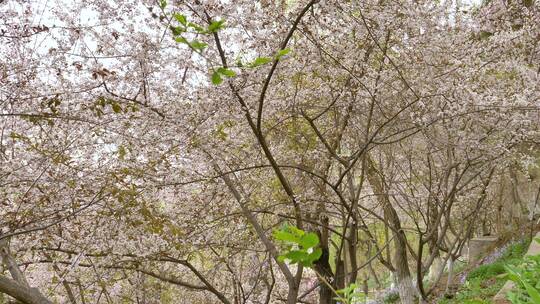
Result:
[[391, 297], [516, 250], [487, 271], [527, 278]]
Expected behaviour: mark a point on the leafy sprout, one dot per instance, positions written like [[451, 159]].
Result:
[[300, 247]]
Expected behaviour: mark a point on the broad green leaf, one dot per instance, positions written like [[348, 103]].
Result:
[[296, 256], [314, 256], [309, 240], [282, 53], [300, 245], [180, 18], [226, 72], [198, 45], [216, 78], [260, 61], [285, 236], [294, 230], [181, 40], [347, 290], [216, 26]]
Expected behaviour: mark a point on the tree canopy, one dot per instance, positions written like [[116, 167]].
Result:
[[150, 151]]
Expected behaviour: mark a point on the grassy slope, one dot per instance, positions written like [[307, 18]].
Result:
[[485, 281]]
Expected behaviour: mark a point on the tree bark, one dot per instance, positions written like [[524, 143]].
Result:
[[434, 270], [322, 266], [353, 245], [402, 272], [450, 275], [403, 275], [17, 287], [22, 293], [405, 288]]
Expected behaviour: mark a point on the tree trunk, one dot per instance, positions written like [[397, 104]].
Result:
[[322, 266], [403, 275], [433, 240], [325, 295], [450, 275], [375, 277], [405, 289], [353, 236], [340, 274], [402, 272], [292, 296], [434, 270], [365, 286]]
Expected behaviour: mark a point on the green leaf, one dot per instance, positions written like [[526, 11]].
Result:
[[294, 230], [198, 45], [296, 256], [216, 78], [162, 4], [180, 18], [282, 53], [309, 240], [216, 26], [300, 246], [285, 236], [181, 40], [116, 107], [226, 72], [347, 290], [312, 257], [176, 30], [196, 27], [533, 292], [260, 61], [513, 273]]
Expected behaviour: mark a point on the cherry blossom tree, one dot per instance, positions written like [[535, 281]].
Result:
[[148, 149]]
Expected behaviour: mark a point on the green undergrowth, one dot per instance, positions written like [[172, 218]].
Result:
[[483, 282]]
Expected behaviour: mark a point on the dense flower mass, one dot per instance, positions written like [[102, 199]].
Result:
[[149, 148]]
